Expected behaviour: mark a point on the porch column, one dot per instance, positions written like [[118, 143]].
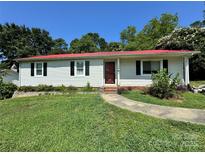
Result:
[[118, 71], [186, 70]]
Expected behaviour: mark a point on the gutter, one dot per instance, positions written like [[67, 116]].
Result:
[[109, 56]]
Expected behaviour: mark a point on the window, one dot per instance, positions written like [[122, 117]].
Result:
[[150, 67], [80, 70], [39, 69]]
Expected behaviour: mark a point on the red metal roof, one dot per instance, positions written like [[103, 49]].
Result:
[[104, 54]]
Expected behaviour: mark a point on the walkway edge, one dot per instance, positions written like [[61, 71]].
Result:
[[196, 116]]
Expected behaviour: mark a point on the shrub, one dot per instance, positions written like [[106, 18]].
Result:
[[46, 88], [88, 87], [27, 88], [163, 85], [60, 88], [6, 89], [72, 88]]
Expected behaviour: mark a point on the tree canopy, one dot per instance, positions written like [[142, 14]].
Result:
[[59, 46], [188, 39], [128, 35], [89, 42], [20, 41], [147, 38], [115, 46]]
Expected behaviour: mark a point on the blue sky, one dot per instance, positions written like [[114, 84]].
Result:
[[70, 20]]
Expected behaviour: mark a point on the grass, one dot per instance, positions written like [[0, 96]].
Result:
[[86, 123], [197, 83], [187, 100]]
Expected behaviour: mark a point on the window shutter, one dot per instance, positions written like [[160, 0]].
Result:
[[44, 69], [165, 65], [32, 69], [17, 67], [87, 68], [72, 64], [138, 67]]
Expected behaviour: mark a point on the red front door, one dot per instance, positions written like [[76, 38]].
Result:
[[110, 72]]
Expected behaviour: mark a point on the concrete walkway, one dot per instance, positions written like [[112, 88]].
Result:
[[164, 112]]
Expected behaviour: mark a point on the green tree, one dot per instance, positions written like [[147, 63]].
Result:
[[60, 46], [198, 24], [41, 41], [19, 41], [188, 39], [115, 46], [128, 35], [148, 37], [89, 42]]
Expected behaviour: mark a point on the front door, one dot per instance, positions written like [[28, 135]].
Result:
[[109, 72]]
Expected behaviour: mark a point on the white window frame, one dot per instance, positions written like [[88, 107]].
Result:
[[161, 65], [35, 69], [76, 67]]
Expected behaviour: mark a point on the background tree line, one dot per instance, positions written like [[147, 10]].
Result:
[[18, 41]]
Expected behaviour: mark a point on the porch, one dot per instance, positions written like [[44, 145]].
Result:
[[136, 73]]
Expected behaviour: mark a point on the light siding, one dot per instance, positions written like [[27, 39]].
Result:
[[58, 73], [128, 75]]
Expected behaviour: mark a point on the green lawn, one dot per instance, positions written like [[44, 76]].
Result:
[[197, 83], [187, 99], [86, 123]]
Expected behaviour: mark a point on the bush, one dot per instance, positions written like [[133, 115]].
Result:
[[71, 88], [65, 89], [88, 88], [163, 86], [46, 88], [27, 88], [49, 88], [6, 89]]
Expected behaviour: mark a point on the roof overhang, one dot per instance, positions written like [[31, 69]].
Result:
[[110, 56]]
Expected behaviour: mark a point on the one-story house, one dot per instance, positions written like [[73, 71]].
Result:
[[101, 69]]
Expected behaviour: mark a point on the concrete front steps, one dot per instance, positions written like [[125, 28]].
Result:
[[113, 89], [110, 89]]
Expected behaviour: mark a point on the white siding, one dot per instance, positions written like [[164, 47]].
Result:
[[175, 65], [128, 75], [58, 73]]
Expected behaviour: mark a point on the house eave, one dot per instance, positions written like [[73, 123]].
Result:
[[189, 54]]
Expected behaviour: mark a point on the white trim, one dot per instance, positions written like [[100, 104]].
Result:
[[161, 65], [35, 69], [186, 67], [75, 74], [19, 74], [118, 71]]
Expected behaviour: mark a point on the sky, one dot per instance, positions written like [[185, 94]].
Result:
[[70, 20]]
